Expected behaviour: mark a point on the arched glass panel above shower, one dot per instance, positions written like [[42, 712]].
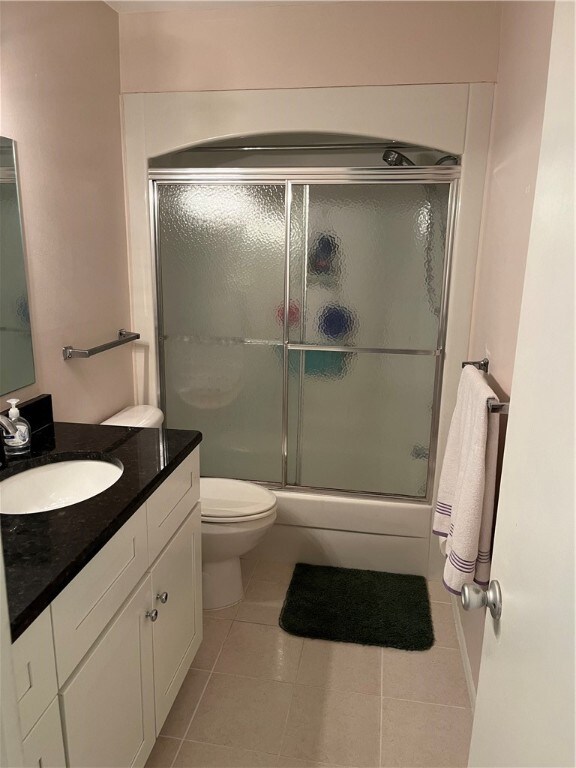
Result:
[[302, 300], [325, 150]]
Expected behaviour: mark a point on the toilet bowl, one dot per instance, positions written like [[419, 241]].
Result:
[[235, 516]]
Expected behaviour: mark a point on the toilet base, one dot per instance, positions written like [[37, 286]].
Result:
[[221, 583]]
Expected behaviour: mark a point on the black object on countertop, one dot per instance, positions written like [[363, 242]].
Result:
[[355, 606], [37, 412], [44, 551]]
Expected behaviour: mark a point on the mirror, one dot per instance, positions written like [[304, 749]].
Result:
[[16, 356]]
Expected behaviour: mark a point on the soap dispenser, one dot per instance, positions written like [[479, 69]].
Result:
[[20, 442]]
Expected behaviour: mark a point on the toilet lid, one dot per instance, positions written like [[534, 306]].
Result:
[[137, 416], [226, 500]]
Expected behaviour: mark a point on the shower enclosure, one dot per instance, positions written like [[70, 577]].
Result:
[[302, 317]]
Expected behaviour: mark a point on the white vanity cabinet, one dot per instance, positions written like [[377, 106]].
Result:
[[118, 641]]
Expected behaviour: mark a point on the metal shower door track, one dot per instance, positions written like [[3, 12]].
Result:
[[410, 174], [288, 177]]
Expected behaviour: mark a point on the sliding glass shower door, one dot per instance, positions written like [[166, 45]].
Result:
[[301, 324], [221, 259]]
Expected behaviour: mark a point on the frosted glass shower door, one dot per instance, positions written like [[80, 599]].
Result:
[[341, 390], [364, 355], [221, 263]]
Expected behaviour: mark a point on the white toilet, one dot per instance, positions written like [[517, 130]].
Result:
[[137, 416], [235, 516]]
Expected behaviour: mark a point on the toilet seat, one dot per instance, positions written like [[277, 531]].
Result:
[[234, 501]]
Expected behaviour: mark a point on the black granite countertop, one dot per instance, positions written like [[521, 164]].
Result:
[[44, 551]]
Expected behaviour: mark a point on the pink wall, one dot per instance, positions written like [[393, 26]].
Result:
[[60, 86], [509, 195], [309, 45]]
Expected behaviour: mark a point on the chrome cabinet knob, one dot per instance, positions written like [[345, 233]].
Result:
[[152, 615], [474, 596], [163, 597]]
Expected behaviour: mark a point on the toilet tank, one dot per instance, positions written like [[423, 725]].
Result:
[[137, 416]]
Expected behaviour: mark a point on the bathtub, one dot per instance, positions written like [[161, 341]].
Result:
[[350, 531]]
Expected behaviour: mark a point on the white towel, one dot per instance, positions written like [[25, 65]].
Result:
[[465, 506]]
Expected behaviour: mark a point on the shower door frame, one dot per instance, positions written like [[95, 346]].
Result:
[[303, 176]]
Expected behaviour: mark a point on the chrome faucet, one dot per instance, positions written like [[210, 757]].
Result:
[[8, 425]]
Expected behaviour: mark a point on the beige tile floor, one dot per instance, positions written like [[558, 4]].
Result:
[[256, 696]]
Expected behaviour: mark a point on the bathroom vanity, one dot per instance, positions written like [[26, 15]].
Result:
[[105, 597]]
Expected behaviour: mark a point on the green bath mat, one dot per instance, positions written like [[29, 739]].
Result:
[[353, 606]]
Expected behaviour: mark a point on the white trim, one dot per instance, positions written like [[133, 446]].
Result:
[[454, 118], [464, 651], [346, 549], [463, 277]]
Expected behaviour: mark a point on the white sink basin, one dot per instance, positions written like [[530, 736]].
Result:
[[52, 486]]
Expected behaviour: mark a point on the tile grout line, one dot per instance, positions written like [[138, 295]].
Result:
[[233, 747], [428, 703], [191, 718], [252, 572], [302, 685], [444, 647], [210, 673], [226, 636], [282, 739]]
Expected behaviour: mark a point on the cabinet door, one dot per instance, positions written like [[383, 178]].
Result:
[[177, 632], [108, 703], [44, 746]]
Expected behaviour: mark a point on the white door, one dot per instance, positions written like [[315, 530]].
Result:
[[525, 705]]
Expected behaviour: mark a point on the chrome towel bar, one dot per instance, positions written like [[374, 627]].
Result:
[[482, 365], [123, 338], [493, 405]]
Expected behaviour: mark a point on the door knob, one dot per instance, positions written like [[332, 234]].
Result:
[[163, 597], [474, 596], [152, 615]]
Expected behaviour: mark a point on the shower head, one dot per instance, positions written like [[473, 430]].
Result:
[[394, 158], [447, 160]]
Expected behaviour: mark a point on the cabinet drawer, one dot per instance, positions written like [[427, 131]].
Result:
[[108, 703], [34, 670], [84, 608], [171, 504]]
